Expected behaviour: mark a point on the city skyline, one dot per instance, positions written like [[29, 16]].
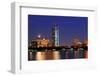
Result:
[[69, 27]]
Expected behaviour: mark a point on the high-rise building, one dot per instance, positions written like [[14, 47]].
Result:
[[55, 35]]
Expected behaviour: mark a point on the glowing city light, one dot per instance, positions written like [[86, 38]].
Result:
[[39, 36]]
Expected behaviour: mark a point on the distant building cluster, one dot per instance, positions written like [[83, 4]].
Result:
[[40, 42]]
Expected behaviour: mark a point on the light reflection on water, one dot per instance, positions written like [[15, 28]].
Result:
[[44, 56], [55, 55], [40, 56]]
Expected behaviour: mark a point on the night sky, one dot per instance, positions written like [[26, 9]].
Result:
[[70, 27]]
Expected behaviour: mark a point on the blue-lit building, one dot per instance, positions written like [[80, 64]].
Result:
[[55, 35]]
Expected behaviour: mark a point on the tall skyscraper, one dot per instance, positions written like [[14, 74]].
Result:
[[55, 35]]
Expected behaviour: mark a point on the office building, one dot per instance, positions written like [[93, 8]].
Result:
[[55, 35]]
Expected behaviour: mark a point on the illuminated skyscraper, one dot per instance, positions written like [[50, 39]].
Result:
[[55, 35]]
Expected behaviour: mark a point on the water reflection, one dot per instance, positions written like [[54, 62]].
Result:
[[57, 54], [40, 56]]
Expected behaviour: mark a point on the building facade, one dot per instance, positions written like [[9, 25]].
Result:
[[55, 35]]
